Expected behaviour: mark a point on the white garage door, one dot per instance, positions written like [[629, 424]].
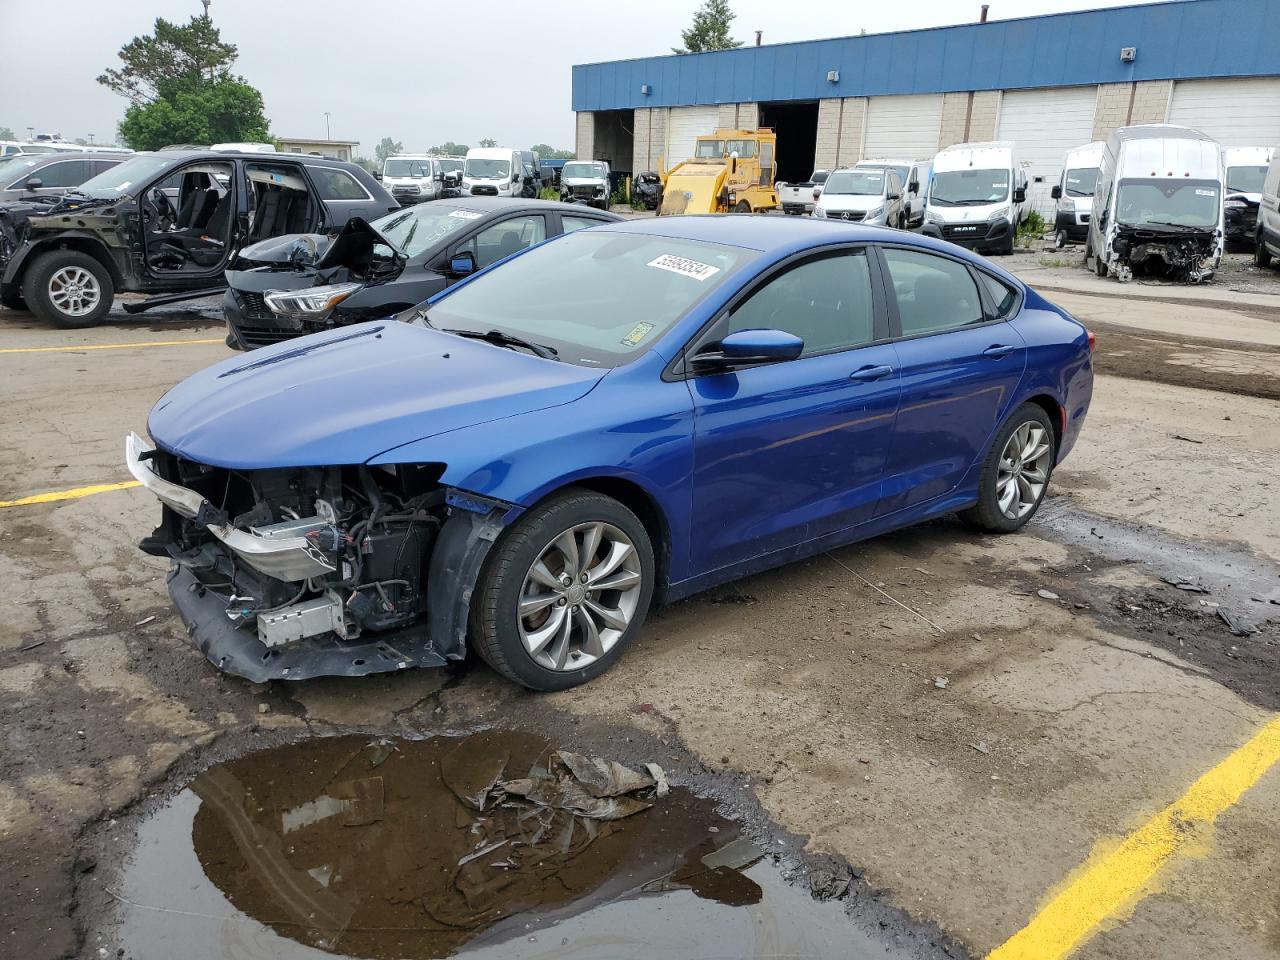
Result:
[[684, 126], [1045, 125], [903, 128], [1237, 113]]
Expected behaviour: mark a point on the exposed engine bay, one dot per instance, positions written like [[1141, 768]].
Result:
[[1187, 255], [292, 572]]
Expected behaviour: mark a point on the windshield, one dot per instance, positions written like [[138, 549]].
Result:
[[969, 187], [709, 148], [404, 167], [11, 170], [599, 298], [1082, 182], [450, 166], [420, 227], [858, 183], [487, 169], [35, 148], [119, 179], [1246, 179], [1165, 202], [585, 171]]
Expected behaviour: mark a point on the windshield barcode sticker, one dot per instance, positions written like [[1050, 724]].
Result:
[[1206, 193], [684, 266], [466, 214]]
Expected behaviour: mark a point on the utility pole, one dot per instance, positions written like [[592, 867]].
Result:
[[31, 133], [326, 125], [91, 139]]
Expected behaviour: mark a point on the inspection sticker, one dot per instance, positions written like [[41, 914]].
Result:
[[1206, 193], [466, 214], [684, 266], [638, 333]]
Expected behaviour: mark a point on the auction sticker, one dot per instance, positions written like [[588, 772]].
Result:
[[684, 266], [638, 333], [1206, 193], [466, 214]]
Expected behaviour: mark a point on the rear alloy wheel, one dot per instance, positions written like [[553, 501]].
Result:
[[1261, 255], [68, 289], [564, 593], [1015, 474]]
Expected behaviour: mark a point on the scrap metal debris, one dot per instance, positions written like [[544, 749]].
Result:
[[1187, 584], [1236, 624], [1047, 595]]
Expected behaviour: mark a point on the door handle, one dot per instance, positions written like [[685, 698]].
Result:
[[998, 351], [863, 374]]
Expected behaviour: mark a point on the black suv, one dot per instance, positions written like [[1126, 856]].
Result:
[[170, 222]]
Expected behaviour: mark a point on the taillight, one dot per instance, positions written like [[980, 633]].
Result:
[[1092, 340]]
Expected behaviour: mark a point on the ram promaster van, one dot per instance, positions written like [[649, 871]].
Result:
[[977, 196], [493, 172], [1073, 193], [1159, 206]]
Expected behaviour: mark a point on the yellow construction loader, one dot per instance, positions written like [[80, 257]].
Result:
[[730, 171]]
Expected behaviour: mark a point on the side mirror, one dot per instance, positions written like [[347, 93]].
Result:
[[913, 186], [748, 348], [438, 178], [35, 183], [463, 263], [733, 162], [1020, 195], [1056, 192], [895, 196], [377, 174], [817, 192]]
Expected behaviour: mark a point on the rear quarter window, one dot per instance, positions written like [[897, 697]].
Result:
[[1003, 297], [334, 184]]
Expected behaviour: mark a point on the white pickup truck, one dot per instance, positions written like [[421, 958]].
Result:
[[798, 198]]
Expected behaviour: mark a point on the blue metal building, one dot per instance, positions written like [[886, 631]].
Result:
[[1049, 83]]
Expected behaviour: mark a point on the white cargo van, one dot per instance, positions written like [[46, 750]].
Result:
[[1246, 169], [977, 196], [493, 172], [1073, 193], [1267, 239], [413, 178], [1158, 207]]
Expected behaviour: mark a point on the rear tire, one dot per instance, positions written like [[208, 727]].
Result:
[[526, 568], [1015, 473], [1261, 255], [69, 289]]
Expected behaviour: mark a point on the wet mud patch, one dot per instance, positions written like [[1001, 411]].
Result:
[[495, 844]]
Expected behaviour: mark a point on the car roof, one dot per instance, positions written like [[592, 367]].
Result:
[[70, 155], [182, 156], [490, 205]]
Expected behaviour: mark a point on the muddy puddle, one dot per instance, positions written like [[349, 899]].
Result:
[[491, 845]]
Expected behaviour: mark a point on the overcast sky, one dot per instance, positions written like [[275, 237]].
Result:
[[421, 71]]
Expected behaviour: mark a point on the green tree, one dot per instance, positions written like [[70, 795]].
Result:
[[387, 148], [366, 163], [488, 142], [450, 149], [709, 30], [226, 111], [181, 89], [548, 152], [6, 133]]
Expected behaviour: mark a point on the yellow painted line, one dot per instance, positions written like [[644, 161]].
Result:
[[109, 346], [73, 494], [1116, 877]]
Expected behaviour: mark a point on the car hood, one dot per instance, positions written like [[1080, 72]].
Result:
[[345, 396], [300, 249]]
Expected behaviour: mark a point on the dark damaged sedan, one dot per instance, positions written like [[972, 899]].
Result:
[[288, 286]]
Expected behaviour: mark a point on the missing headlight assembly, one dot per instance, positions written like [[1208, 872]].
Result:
[[298, 572]]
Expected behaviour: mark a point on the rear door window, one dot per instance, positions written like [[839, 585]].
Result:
[[65, 173], [570, 223], [334, 184], [933, 293], [504, 238]]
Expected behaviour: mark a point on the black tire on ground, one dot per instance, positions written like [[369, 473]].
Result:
[[495, 632], [12, 298], [742, 207], [986, 514], [35, 288], [1261, 255]]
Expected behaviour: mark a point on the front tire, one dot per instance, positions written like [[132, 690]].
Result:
[[68, 289], [1261, 255], [1015, 473], [564, 592], [742, 207]]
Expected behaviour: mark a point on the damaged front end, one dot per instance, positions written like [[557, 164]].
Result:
[[1188, 255], [300, 572]]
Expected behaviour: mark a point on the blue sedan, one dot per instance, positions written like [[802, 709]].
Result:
[[626, 414]]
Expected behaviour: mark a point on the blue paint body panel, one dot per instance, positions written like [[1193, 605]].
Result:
[[1175, 40], [744, 469]]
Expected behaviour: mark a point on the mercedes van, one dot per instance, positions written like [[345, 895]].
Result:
[[1159, 207], [977, 196], [1073, 194]]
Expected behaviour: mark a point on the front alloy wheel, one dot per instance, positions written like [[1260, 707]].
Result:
[[564, 591], [579, 596]]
